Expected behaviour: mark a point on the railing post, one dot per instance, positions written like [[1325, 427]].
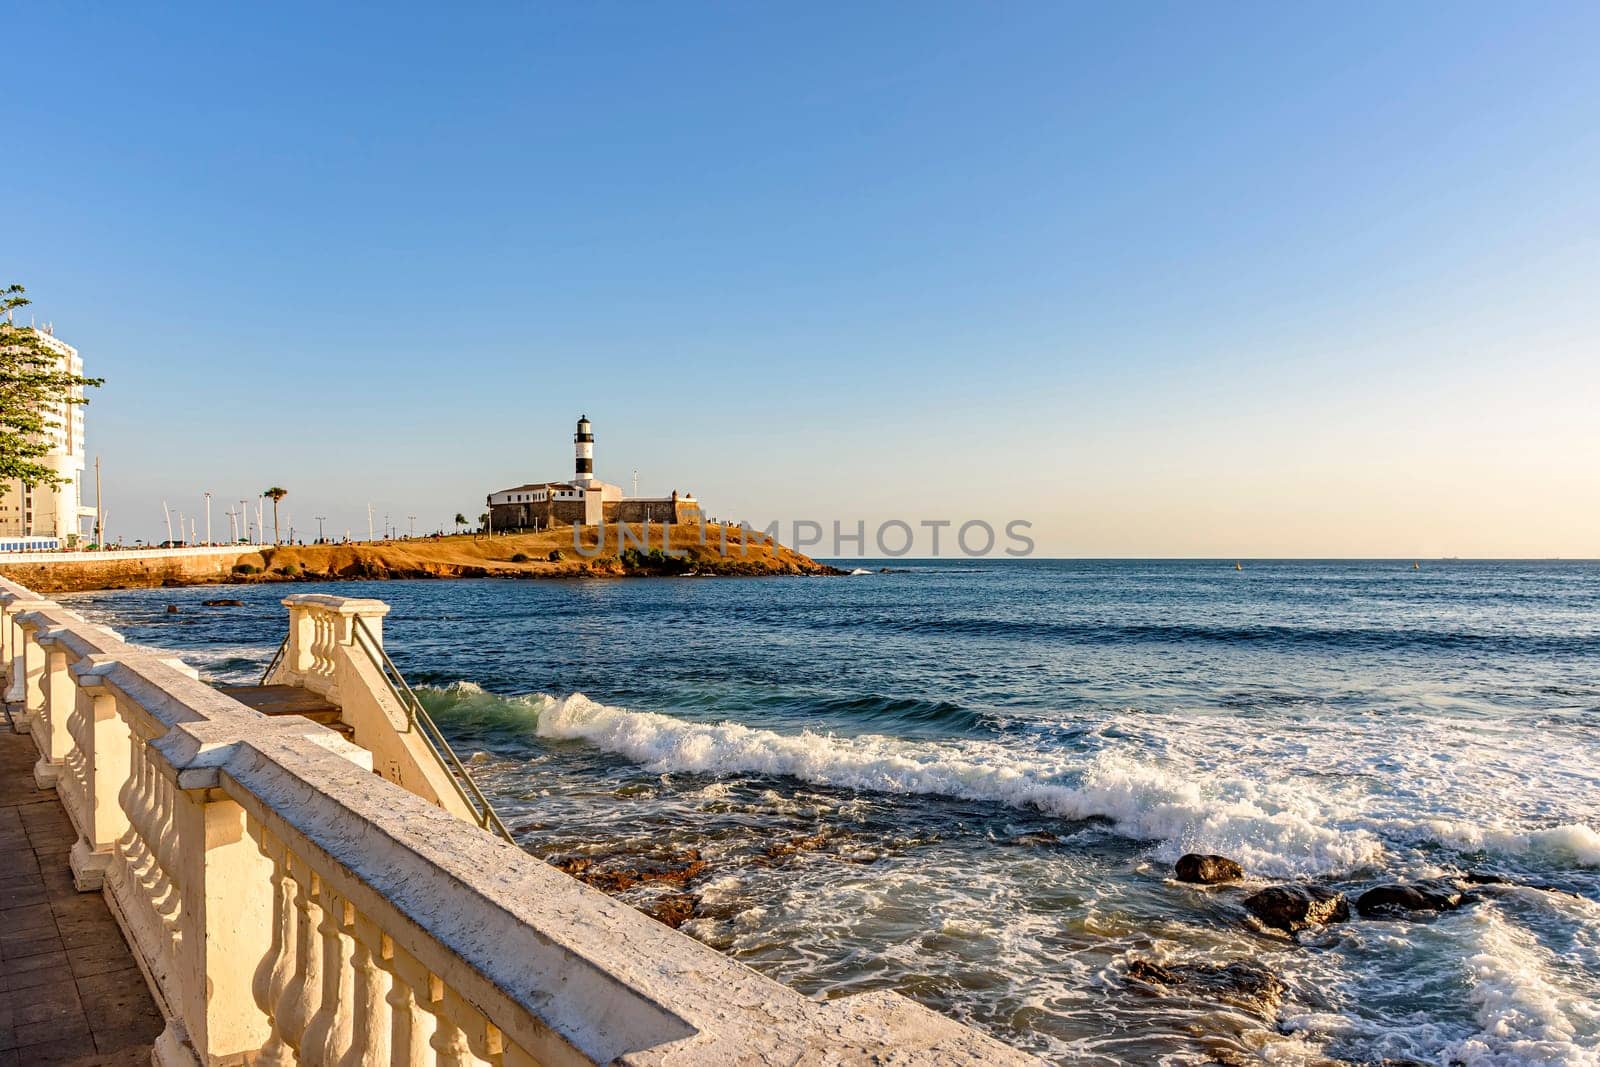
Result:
[[17, 649], [227, 889], [52, 738], [107, 765]]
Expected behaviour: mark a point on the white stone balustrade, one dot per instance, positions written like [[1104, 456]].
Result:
[[292, 907], [321, 631], [323, 654]]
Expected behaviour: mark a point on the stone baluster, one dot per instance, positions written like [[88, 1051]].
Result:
[[165, 846], [461, 1033], [278, 969], [373, 980], [328, 1035], [142, 816], [411, 1036], [302, 995]]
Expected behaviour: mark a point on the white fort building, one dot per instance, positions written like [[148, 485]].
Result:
[[41, 516], [583, 500]]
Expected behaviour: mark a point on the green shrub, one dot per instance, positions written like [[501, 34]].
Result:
[[244, 568], [289, 570], [520, 557], [555, 556]]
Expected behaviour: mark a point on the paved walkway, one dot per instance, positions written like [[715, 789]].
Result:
[[70, 992]]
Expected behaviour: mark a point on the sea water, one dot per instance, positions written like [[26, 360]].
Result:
[[968, 780]]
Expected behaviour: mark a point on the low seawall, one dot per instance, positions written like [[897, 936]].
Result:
[[73, 572]]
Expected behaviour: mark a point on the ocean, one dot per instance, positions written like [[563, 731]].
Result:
[[968, 780]]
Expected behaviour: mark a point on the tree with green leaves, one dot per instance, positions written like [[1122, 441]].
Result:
[[461, 520], [35, 385], [275, 494]]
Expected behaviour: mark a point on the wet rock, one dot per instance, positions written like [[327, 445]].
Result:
[[172, 609], [1396, 899], [1242, 984], [1207, 870], [1294, 907], [673, 909], [1034, 839], [223, 603], [613, 874], [794, 845]]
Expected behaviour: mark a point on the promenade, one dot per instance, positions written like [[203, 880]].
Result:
[[70, 991]]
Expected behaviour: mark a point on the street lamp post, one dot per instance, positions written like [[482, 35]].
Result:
[[319, 519], [208, 518], [413, 519]]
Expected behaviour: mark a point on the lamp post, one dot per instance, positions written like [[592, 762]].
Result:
[[208, 517], [319, 519], [413, 519]]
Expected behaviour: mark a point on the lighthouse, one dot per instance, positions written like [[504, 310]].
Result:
[[583, 447]]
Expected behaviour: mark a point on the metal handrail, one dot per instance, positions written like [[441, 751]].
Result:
[[277, 658], [417, 716]]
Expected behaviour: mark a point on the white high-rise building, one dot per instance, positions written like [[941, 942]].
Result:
[[45, 511]]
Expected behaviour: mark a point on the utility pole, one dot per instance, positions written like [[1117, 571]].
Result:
[[261, 530], [244, 520], [369, 520], [208, 510], [319, 519], [413, 519], [99, 517], [636, 481]]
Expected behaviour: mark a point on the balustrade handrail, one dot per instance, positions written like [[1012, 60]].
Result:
[[277, 658], [417, 717]]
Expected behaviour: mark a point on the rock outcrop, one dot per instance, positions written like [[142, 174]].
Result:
[[1241, 983], [1206, 870], [1295, 907], [1397, 899]]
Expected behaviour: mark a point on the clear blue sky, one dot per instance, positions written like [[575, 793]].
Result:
[[1165, 280]]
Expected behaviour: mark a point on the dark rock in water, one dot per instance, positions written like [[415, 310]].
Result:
[[224, 603], [673, 910], [1207, 870], [795, 845], [613, 874], [1033, 839], [1241, 984], [172, 609], [1293, 907], [1396, 899]]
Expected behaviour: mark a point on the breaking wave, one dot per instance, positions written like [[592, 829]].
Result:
[[1272, 829]]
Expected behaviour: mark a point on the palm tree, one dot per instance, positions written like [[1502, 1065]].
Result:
[[461, 520], [275, 494], [483, 522]]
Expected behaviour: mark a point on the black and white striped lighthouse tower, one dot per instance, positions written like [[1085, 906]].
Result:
[[583, 445]]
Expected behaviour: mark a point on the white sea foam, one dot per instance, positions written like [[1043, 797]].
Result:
[[1527, 1013], [1571, 842], [1272, 829]]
